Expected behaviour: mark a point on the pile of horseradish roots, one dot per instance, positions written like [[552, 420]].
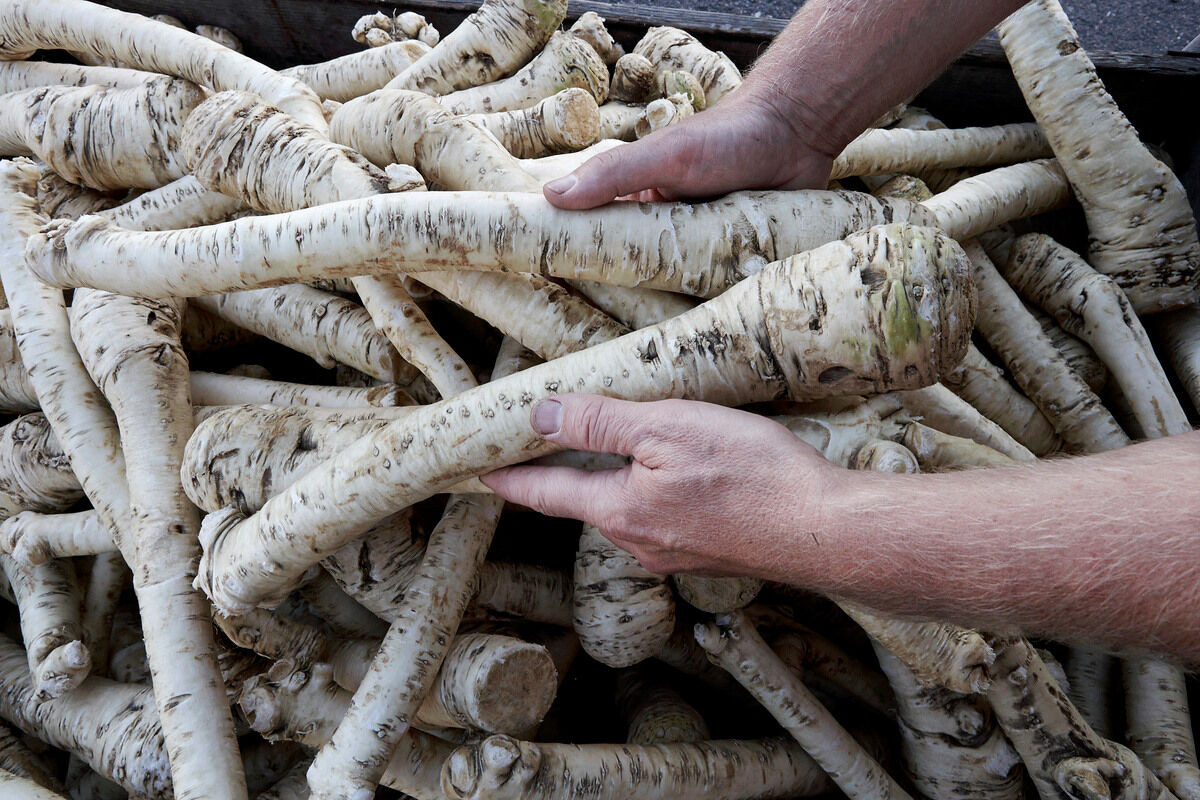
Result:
[[265, 329]]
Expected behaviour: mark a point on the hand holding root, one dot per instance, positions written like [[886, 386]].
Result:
[[681, 451], [744, 143]]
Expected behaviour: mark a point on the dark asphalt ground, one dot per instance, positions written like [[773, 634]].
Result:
[[1132, 26]]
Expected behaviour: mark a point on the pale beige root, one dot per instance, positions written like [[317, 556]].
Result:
[[1141, 230], [563, 122], [618, 122], [733, 643], [343, 614], [1091, 306], [15, 787], [633, 79], [214, 389], [636, 308], [978, 204], [356, 74], [1158, 724], [58, 197], [107, 581], [839, 435], [35, 472], [812, 350], [525, 591], [674, 82], [110, 726], [1064, 756], [716, 595], [323, 326], [550, 167], [100, 137], [502, 768], [48, 598], [590, 28], [624, 613], [538, 313], [1180, 333], [202, 332], [951, 745], [946, 411], [656, 713], [676, 49], [305, 706], [699, 249], [1083, 360], [235, 144], [938, 180], [34, 538], [937, 451], [18, 75], [492, 683], [180, 204], [16, 393], [292, 786], [378, 29], [418, 640], [880, 151], [496, 40], [661, 113], [17, 758], [221, 36], [905, 187], [982, 384], [565, 62], [409, 128], [138, 340], [80, 26], [938, 654], [823, 665], [1037, 366]]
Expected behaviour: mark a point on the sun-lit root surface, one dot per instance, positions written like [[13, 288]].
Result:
[[880, 150], [1141, 230], [34, 538], [733, 643], [379, 29], [16, 76], [356, 74], [661, 113], [978, 204], [590, 28], [868, 285], [214, 389], [564, 122], [680, 50]]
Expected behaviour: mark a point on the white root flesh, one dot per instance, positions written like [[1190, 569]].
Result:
[[699, 249], [495, 41], [1140, 225], [565, 62], [33, 538], [18, 75], [733, 643], [624, 613], [48, 598], [501, 768], [80, 26], [562, 123], [978, 204], [402, 463]]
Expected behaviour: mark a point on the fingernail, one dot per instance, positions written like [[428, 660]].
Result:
[[562, 185], [547, 417]]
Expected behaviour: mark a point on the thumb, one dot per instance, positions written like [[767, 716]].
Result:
[[591, 422], [630, 168]]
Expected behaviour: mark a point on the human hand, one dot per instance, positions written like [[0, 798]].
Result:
[[710, 490], [742, 143]]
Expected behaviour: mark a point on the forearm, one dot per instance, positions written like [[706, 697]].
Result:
[[823, 73], [1101, 548]]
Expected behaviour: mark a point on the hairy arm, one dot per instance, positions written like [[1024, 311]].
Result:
[[1102, 548], [836, 68]]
